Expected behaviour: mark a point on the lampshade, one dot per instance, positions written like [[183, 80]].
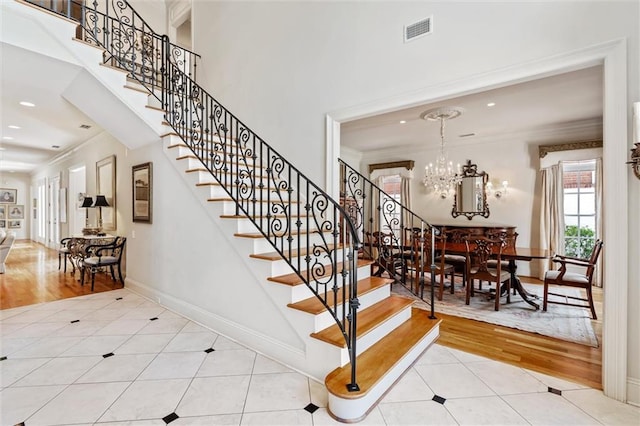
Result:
[[101, 201], [87, 202]]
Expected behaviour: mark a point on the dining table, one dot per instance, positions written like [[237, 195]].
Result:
[[511, 254]]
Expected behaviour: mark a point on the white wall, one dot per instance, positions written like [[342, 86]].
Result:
[[288, 64], [20, 182]]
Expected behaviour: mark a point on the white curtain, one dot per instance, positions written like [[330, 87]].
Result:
[[405, 199], [551, 214], [599, 232]]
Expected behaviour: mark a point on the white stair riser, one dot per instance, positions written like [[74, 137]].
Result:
[[245, 225], [325, 319], [354, 410], [262, 245], [301, 292], [217, 191], [281, 267], [184, 150]]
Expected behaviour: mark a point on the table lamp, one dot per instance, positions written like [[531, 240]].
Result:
[[101, 202], [87, 202]]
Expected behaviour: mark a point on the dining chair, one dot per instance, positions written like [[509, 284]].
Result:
[[64, 251], [458, 261], [479, 250], [423, 251], [510, 240], [390, 255], [583, 279], [103, 255]]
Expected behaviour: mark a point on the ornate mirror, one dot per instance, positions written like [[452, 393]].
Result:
[[470, 198]]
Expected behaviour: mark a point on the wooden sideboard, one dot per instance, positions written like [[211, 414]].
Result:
[[457, 231]]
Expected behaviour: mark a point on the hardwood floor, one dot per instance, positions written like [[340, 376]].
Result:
[[32, 277]]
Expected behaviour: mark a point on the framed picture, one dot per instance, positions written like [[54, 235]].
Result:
[[8, 196], [142, 181], [3, 212], [106, 185], [16, 212], [3, 223], [15, 224]]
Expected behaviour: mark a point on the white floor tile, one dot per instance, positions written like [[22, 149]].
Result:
[[283, 418], [117, 368], [453, 381], [122, 326], [556, 382], [506, 379], [186, 342], [221, 420], [59, 371], [278, 391], [223, 343], [411, 387], [416, 413], [78, 404], [548, 409], [606, 410], [18, 404], [67, 315], [171, 325], [81, 328], [437, 354], [214, 395], [12, 370], [192, 327], [153, 399], [318, 393], [264, 365], [47, 347], [6, 329], [175, 365], [154, 422], [489, 410], [9, 346], [29, 316], [145, 344], [96, 345], [467, 357], [228, 363], [37, 329], [144, 313], [106, 314], [322, 418]]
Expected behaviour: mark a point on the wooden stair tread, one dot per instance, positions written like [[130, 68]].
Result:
[[368, 319], [274, 255], [258, 235], [242, 216], [217, 199], [293, 279], [155, 108], [372, 364], [314, 306]]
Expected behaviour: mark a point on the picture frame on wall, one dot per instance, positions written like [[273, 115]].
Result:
[[142, 189], [15, 224], [15, 212], [3, 223], [3, 211], [8, 196]]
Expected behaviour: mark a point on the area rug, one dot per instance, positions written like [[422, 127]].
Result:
[[562, 322]]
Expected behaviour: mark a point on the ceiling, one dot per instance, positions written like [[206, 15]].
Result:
[[566, 107], [562, 108]]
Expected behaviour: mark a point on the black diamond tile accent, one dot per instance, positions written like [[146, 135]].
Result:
[[108, 355], [118, 298], [311, 408], [153, 319], [209, 350], [75, 321], [554, 391], [438, 399], [3, 358], [171, 417]]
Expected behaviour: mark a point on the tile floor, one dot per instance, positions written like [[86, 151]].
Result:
[[117, 358]]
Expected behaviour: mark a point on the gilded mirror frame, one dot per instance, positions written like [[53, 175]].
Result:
[[470, 171]]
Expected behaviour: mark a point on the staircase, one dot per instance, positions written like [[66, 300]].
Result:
[[301, 245]]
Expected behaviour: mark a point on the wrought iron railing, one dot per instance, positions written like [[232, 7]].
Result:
[[308, 229], [393, 236], [129, 42]]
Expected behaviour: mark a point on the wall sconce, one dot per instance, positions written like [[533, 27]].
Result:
[[498, 192]]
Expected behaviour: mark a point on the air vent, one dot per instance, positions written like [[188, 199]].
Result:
[[85, 126], [467, 135], [418, 29]]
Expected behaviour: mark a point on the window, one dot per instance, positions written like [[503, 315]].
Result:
[[579, 182], [389, 210]]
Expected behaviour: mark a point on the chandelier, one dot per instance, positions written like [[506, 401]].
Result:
[[442, 176]]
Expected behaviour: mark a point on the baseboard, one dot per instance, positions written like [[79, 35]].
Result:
[[293, 358], [633, 391]]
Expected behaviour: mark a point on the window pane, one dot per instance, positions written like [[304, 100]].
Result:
[[570, 203], [587, 203], [571, 220], [588, 222]]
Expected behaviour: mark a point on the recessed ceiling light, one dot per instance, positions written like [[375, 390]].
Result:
[[11, 126], [9, 138], [55, 146], [490, 104], [85, 126], [27, 104], [403, 121]]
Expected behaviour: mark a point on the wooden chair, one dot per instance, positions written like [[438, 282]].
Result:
[[563, 277], [479, 250], [421, 261], [101, 256], [458, 261], [510, 240], [65, 252], [389, 256]]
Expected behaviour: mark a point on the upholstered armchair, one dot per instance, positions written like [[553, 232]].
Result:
[[6, 242]]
